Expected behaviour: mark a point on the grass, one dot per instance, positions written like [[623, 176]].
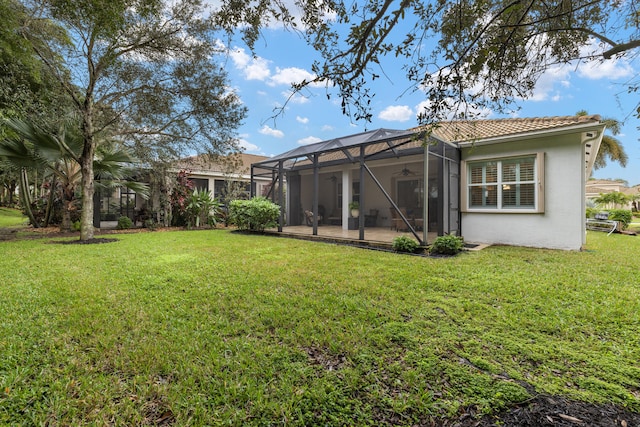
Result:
[[219, 328], [11, 218]]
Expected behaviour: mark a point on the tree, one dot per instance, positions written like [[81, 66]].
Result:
[[465, 54], [614, 198], [143, 72], [30, 147], [26, 86]]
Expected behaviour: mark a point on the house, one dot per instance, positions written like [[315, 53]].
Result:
[[514, 181], [598, 187], [223, 177]]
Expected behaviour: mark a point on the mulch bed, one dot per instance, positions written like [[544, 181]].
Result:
[[553, 411]]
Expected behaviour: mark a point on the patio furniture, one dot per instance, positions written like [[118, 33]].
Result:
[[308, 217], [371, 219], [335, 218], [397, 223], [601, 222]]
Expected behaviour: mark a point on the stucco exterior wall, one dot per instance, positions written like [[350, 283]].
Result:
[[561, 225]]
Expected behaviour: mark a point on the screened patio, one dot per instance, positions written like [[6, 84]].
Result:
[[404, 183]]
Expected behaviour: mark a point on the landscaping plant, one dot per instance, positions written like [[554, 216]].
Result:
[[447, 245], [405, 244], [256, 214], [124, 223]]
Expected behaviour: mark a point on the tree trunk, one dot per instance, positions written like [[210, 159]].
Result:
[[25, 197], [86, 168], [86, 218], [51, 199], [67, 204]]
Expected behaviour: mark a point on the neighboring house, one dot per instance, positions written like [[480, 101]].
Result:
[[223, 177], [507, 181], [597, 187]]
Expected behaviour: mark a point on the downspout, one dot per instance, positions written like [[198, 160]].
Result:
[[588, 167]]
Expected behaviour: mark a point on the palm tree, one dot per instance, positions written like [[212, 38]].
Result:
[[611, 148], [59, 154]]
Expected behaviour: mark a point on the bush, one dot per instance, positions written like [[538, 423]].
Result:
[[201, 208], [150, 224], [447, 245], [75, 226], [405, 244], [124, 223], [255, 214], [621, 215], [591, 212]]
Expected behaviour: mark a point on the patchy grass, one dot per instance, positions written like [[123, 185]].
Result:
[[11, 218], [212, 327]]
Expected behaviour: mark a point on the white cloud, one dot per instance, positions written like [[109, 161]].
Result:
[[295, 98], [608, 69], [289, 76], [615, 68], [246, 145], [266, 130], [303, 120], [253, 68], [396, 113], [309, 140], [327, 128], [545, 87]]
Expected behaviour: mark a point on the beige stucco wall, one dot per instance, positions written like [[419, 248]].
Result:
[[561, 225]]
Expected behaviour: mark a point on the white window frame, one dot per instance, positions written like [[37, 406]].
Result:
[[538, 182]]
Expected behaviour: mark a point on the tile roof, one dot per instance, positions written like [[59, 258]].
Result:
[[474, 130], [238, 163]]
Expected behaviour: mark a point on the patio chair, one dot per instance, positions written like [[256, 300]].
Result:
[[335, 217], [371, 219], [308, 217], [397, 222]]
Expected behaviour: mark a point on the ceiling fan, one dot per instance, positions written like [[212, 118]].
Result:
[[405, 171]]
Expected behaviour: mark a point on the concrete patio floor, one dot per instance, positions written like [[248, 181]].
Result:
[[374, 236]]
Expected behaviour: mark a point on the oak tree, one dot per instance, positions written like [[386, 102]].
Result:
[[141, 71]]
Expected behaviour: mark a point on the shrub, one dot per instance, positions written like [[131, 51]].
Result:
[[447, 245], [591, 212], [404, 244], [75, 226], [150, 224], [201, 208], [621, 215], [124, 223], [255, 214]]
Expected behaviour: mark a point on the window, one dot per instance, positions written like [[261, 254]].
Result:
[[200, 184], [506, 184]]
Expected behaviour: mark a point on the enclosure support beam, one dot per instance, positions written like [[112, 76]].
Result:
[[316, 190], [425, 195], [281, 194], [393, 204], [361, 202]]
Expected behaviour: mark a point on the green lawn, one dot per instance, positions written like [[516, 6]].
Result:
[[11, 218], [213, 327]]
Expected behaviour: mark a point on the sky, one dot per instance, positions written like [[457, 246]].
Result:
[[281, 57]]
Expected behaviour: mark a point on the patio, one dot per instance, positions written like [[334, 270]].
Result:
[[375, 236]]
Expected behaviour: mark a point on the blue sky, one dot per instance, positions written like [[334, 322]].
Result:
[[263, 82]]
